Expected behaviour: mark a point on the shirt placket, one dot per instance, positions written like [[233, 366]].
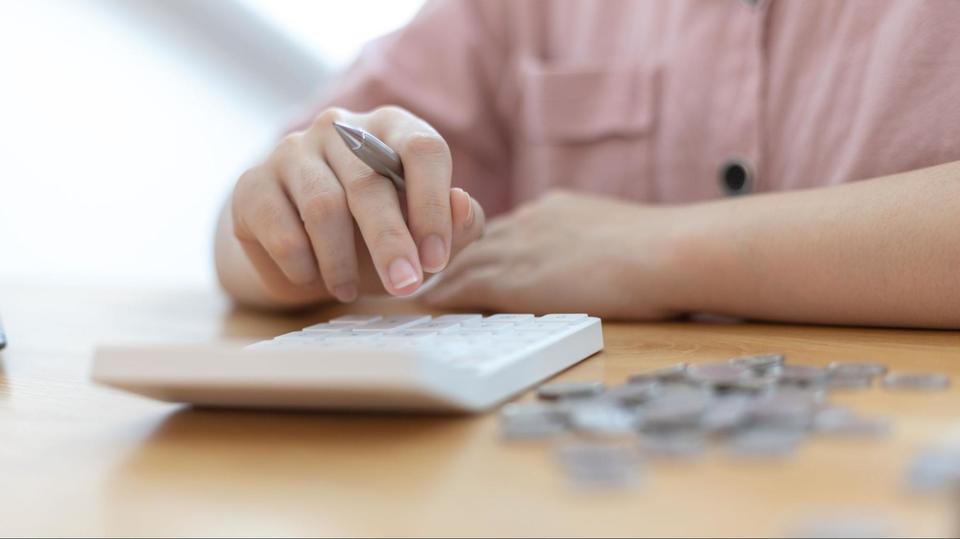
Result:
[[739, 171]]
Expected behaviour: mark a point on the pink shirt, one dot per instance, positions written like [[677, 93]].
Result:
[[649, 99]]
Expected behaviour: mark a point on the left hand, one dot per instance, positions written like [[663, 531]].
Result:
[[566, 252]]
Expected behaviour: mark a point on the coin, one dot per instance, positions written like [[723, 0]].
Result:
[[857, 369], [527, 421], [719, 373], [674, 372], [854, 525], [804, 375], [843, 422], [599, 464], [916, 381], [672, 444], [601, 418], [760, 363], [726, 413], [633, 393], [676, 407], [569, 390], [849, 382], [764, 442], [934, 468]]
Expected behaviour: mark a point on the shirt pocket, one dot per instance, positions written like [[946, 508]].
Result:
[[584, 104], [586, 128]]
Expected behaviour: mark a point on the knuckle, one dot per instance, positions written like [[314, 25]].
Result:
[[389, 234], [323, 206], [327, 116], [426, 145], [285, 246], [288, 148], [389, 111], [434, 206], [289, 145], [365, 180], [246, 182], [265, 211]]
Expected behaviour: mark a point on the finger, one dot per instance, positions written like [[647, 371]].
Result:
[[474, 289], [427, 169], [374, 204], [468, 218], [322, 204], [273, 279], [262, 212]]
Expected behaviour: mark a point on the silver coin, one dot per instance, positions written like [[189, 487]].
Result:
[[846, 381], [569, 390], [760, 363], [676, 407], [934, 468], [857, 369], [853, 525], [784, 409], [529, 421], [599, 464], [601, 418], [633, 393], [673, 444], [916, 381], [843, 422], [748, 386], [674, 372], [764, 442], [719, 373], [805, 375], [726, 414], [527, 410], [816, 394]]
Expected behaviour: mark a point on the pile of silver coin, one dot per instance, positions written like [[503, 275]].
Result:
[[753, 407]]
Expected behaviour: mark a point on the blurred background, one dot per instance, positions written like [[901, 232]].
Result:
[[124, 123]]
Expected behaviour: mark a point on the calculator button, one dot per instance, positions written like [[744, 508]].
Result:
[[510, 318], [458, 318], [301, 336], [356, 319], [436, 325], [572, 317], [391, 323], [330, 327], [411, 335]]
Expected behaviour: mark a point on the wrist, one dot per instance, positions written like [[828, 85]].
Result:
[[689, 261]]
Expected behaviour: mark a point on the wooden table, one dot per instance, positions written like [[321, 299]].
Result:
[[77, 459]]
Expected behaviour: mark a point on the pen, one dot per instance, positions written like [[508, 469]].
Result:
[[373, 152]]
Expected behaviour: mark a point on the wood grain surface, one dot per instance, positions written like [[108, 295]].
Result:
[[77, 459]]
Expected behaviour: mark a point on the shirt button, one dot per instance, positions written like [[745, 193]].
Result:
[[736, 177]]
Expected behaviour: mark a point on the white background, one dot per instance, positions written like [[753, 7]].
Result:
[[123, 123]]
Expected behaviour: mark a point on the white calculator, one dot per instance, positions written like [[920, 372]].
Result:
[[454, 362]]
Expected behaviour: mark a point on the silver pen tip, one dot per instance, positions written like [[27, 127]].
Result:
[[352, 136]]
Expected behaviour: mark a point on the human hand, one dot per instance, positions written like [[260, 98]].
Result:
[[315, 221], [567, 252]]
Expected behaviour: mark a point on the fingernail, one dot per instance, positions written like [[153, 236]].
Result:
[[465, 198], [345, 292], [469, 218], [402, 274], [433, 253]]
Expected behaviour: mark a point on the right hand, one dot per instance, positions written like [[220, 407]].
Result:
[[297, 214]]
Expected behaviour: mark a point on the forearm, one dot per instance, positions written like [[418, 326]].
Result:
[[877, 252], [240, 280]]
